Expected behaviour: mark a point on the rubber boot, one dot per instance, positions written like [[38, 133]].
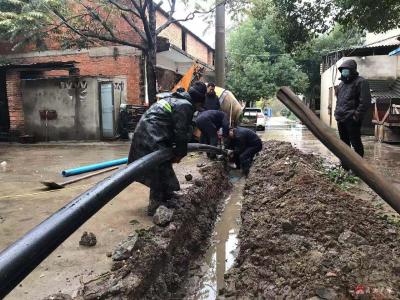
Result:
[[155, 200]]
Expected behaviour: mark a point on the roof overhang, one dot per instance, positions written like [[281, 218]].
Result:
[[55, 65], [179, 61]]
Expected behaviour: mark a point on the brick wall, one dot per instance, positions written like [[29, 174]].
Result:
[[196, 48], [172, 32], [193, 46], [106, 66], [14, 96]]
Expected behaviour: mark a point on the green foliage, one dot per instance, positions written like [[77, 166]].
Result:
[[374, 16], [344, 179], [26, 21], [257, 63], [309, 55], [295, 21]]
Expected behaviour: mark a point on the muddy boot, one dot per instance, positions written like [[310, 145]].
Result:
[[172, 200], [154, 202]]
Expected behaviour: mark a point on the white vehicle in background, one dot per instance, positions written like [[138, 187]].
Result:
[[253, 117]]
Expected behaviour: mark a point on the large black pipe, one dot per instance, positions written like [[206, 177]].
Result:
[[362, 168], [23, 256]]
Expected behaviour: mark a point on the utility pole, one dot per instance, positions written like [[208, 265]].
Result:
[[220, 43]]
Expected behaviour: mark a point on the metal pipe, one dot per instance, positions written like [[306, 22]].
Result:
[[220, 43], [366, 172], [94, 167], [24, 255]]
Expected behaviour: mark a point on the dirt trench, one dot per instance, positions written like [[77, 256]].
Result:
[[158, 261], [304, 238]]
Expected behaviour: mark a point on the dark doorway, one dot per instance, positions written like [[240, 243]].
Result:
[[4, 117]]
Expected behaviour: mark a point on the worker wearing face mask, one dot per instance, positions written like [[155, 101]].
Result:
[[353, 100]]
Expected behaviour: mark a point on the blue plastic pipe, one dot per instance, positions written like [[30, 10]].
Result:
[[94, 167]]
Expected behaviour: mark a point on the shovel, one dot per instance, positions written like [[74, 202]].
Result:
[[54, 185]]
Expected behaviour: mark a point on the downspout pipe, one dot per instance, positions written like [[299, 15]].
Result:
[[24, 255]]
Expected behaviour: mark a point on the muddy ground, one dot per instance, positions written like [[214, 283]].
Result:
[[302, 237], [159, 257]]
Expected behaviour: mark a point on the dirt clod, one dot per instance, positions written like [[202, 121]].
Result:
[[323, 243], [124, 249], [88, 239], [58, 296], [188, 177], [163, 216]]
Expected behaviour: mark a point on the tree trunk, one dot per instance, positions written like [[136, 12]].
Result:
[[151, 63], [152, 55]]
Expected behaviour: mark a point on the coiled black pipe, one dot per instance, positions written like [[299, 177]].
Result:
[[24, 255]]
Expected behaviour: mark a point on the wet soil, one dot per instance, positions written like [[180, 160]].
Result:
[[160, 258], [207, 274], [302, 237]]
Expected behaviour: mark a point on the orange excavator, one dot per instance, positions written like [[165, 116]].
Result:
[[228, 102]]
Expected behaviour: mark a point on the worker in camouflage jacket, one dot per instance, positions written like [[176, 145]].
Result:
[[166, 124], [353, 101]]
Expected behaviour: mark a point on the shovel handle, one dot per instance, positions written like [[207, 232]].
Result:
[[88, 176]]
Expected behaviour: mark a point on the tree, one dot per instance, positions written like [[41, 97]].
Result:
[[309, 55], [374, 16], [295, 21], [25, 22], [257, 63]]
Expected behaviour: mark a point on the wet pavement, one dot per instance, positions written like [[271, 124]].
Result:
[[221, 255], [24, 204]]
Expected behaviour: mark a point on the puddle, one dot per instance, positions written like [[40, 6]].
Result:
[[221, 255]]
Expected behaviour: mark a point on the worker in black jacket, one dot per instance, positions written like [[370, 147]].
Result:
[[245, 144], [210, 122], [166, 124], [353, 100], [212, 100]]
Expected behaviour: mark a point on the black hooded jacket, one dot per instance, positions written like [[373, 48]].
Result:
[[353, 95], [165, 123]]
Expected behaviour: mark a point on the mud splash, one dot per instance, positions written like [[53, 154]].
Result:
[[160, 258], [302, 237]]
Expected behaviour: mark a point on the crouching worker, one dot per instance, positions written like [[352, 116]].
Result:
[[210, 122], [245, 144], [166, 124]]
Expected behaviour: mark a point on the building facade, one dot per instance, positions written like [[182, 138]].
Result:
[[374, 64], [82, 89]]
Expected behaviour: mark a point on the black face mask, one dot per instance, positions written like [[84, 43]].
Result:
[[212, 94]]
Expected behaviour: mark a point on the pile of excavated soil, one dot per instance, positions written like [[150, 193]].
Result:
[[154, 263], [302, 237]]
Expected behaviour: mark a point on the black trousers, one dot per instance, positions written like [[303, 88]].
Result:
[[208, 136], [244, 160], [350, 133]]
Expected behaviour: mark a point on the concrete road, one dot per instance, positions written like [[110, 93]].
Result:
[[24, 204]]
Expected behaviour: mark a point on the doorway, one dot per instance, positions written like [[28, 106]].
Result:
[[107, 120], [4, 116]]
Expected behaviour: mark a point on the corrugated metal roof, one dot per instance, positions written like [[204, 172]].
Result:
[[385, 89]]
